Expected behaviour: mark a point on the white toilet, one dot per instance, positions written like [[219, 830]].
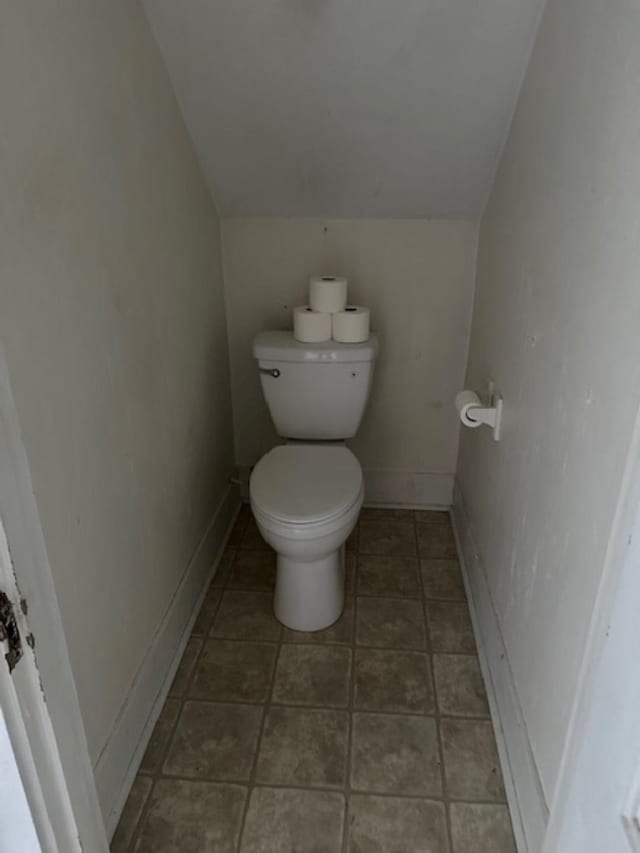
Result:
[[306, 495]]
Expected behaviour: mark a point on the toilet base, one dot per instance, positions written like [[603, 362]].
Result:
[[310, 596]]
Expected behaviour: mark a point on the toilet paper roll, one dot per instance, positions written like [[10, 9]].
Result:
[[311, 327], [351, 326], [328, 294], [466, 401]]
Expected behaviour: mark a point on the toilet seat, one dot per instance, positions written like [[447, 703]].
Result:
[[303, 484]]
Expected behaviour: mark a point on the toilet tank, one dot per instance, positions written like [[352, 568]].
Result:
[[314, 392]]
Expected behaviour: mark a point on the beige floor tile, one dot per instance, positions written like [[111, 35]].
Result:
[[352, 542], [234, 671], [481, 828], [160, 735], [436, 542], [252, 538], [390, 622], [442, 579], [388, 576], [186, 667], [192, 817], [303, 747], [253, 570], [393, 681], [471, 761], [224, 568], [350, 561], [214, 741], [387, 538], [284, 820], [131, 814], [239, 527], [374, 513], [207, 612], [313, 675], [459, 686], [340, 633], [450, 627], [246, 616], [395, 758], [245, 510], [430, 516], [395, 755], [385, 824]]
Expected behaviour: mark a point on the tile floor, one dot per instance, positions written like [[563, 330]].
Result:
[[371, 736]]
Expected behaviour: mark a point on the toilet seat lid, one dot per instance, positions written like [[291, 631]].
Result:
[[303, 484]]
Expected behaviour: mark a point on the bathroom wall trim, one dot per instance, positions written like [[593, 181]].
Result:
[[527, 804], [120, 758]]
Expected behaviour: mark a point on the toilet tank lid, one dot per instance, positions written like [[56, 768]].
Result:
[[282, 346]]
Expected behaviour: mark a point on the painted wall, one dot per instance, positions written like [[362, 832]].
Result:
[[601, 783], [555, 324], [361, 109], [113, 322], [417, 278]]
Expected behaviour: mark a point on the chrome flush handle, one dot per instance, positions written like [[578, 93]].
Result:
[[270, 371]]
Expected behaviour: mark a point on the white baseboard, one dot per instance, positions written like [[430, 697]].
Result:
[[388, 487], [529, 811], [120, 759]]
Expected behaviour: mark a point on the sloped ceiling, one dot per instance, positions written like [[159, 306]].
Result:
[[347, 108]]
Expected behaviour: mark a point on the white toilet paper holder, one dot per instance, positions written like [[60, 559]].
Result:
[[473, 413], [489, 415]]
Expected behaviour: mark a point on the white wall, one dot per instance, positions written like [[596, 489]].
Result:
[[600, 777], [556, 326], [417, 278], [113, 322], [362, 109]]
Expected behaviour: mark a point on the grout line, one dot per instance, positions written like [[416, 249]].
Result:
[[349, 706], [300, 706], [417, 597], [387, 595], [209, 780], [254, 767], [478, 802], [202, 638], [224, 638], [436, 709]]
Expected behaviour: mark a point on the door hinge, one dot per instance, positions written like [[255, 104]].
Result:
[[9, 632]]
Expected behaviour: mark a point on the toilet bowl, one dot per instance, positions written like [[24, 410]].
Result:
[[306, 499]]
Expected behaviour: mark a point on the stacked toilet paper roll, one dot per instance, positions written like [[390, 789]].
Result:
[[327, 315], [350, 326], [311, 326], [328, 294]]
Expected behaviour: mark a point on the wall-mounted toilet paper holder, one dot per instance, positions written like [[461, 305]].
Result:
[[473, 413], [489, 415]]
